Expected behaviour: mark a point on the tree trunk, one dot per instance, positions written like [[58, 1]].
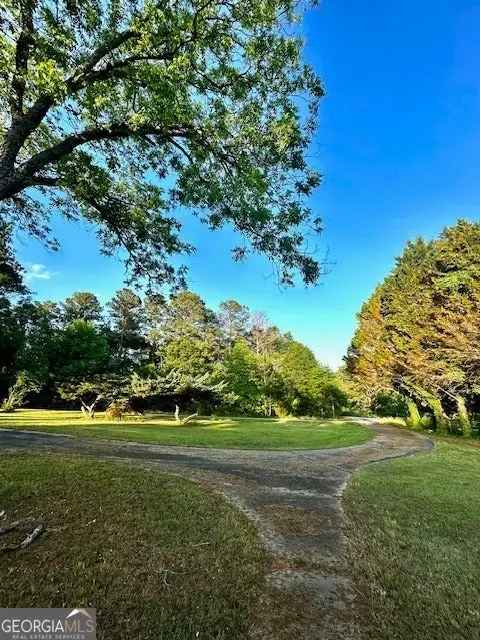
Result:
[[441, 418], [435, 404], [89, 410], [177, 413], [20, 129], [463, 417], [414, 418], [189, 418]]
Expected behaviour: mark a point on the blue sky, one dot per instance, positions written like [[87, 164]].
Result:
[[399, 147]]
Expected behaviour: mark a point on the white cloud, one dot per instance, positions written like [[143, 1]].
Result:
[[38, 272]]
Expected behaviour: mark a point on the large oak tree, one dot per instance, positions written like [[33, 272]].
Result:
[[126, 111]]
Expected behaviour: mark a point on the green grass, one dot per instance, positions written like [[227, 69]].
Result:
[[236, 433], [158, 557], [413, 527]]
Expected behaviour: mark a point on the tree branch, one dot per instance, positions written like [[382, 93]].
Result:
[[22, 52], [21, 127], [42, 181], [114, 132], [112, 69], [79, 75]]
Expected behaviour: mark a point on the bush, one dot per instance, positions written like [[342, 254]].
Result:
[[390, 404], [116, 410], [19, 391], [427, 422], [280, 410]]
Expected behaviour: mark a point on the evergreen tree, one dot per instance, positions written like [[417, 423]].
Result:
[[82, 305], [233, 319], [127, 316], [419, 332]]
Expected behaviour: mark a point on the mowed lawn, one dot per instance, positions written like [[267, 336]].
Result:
[[238, 433], [159, 557], [413, 529]]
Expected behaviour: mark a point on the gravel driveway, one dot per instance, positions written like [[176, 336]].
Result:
[[294, 498]]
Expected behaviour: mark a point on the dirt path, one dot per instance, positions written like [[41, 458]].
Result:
[[294, 498]]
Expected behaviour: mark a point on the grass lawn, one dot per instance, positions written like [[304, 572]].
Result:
[[158, 557], [413, 527], [236, 433]]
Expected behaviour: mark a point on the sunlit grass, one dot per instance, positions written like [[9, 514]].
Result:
[[242, 433], [413, 530]]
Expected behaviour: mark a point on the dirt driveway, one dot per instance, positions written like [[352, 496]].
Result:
[[294, 498]]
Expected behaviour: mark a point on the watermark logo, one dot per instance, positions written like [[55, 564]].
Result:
[[47, 624]]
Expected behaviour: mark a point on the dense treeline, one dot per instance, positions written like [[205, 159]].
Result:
[[417, 345], [153, 351]]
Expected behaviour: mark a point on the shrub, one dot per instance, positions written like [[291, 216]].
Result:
[[427, 421], [115, 411], [390, 404], [18, 392]]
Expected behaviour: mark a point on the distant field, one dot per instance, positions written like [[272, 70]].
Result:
[[413, 530], [236, 433]]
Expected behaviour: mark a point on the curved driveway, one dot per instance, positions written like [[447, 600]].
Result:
[[294, 498]]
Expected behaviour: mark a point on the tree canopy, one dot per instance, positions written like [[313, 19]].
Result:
[[11, 272], [161, 352], [82, 305], [419, 332], [123, 111]]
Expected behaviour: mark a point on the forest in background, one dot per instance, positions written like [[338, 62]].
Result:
[[153, 352], [416, 351]]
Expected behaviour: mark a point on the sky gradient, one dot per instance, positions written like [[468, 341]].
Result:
[[398, 145]]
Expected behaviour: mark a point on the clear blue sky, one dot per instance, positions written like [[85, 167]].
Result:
[[399, 146]]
